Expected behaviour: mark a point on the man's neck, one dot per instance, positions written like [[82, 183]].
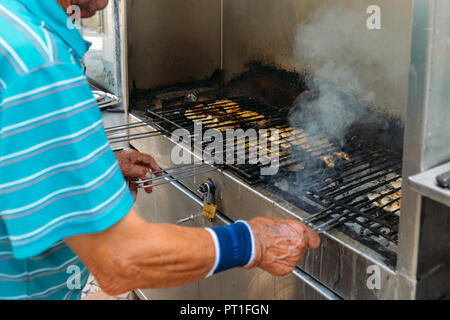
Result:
[[64, 4]]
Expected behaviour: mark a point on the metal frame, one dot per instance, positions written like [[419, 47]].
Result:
[[418, 138], [404, 286], [413, 151], [121, 6]]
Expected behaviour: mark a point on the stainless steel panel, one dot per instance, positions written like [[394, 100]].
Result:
[[341, 263], [413, 147], [433, 272], [339, 46], [426, 134], [172, 41], [437, 130]]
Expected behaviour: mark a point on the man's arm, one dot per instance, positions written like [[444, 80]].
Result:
[[135, 254]]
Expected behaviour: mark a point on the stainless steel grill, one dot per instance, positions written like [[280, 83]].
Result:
[[355, 193], [221, 52]]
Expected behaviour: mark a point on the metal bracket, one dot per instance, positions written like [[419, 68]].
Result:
[[188, 219]]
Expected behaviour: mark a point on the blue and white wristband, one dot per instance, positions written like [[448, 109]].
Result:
[[235, 246]]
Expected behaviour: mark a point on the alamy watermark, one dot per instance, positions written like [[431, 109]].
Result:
[[374, 19], [74, 20], [73, 282], [374, 279], [231, 147]]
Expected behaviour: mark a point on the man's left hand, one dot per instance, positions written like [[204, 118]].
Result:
[[136, 165]]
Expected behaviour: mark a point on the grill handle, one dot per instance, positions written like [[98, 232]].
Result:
[[173, 174]]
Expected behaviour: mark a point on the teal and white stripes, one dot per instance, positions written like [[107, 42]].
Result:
[[58, 175]]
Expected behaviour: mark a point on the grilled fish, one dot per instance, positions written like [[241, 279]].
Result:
[[389, 203], [343, 155], [397, 184], [213, 113], [329, 161]]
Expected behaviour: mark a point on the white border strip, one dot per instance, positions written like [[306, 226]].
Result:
[[217, 247], [14, 55]]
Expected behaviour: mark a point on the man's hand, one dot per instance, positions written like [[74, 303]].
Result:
[[136, 165], [280, 244]]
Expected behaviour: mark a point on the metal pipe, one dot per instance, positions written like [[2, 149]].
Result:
[[134, 137], [168, 176], [126, 127], [222, 47], [169, 179]]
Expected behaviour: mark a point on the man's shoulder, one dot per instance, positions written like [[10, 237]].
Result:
[[25, 43]]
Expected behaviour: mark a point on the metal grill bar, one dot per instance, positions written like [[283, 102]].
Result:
[[125, 127], [137, 136], [119, 134], [363, 161]]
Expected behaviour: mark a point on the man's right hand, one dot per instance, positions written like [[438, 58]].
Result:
[[280, 244]]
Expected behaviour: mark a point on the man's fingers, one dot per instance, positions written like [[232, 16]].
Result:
[[141, 159], [133, 189], [147, 161], [148, 186], [136, 171], [311, 237]]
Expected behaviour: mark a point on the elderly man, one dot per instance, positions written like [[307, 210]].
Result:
[[65, 207]]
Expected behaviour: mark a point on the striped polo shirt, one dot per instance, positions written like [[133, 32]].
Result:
[[58, 175]]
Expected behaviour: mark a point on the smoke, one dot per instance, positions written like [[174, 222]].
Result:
[[327, 111], [337, 55]]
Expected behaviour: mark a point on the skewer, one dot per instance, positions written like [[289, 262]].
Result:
[[171, 168], [169, 180], [127, 138], [126, 127], [169, 175], [329, 224], [315, 216]]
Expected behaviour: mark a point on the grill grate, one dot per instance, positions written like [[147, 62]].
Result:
[[365, 194], [221, 115], [361, 191]]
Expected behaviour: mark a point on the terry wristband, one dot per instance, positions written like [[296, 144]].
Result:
[[235, 246]]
